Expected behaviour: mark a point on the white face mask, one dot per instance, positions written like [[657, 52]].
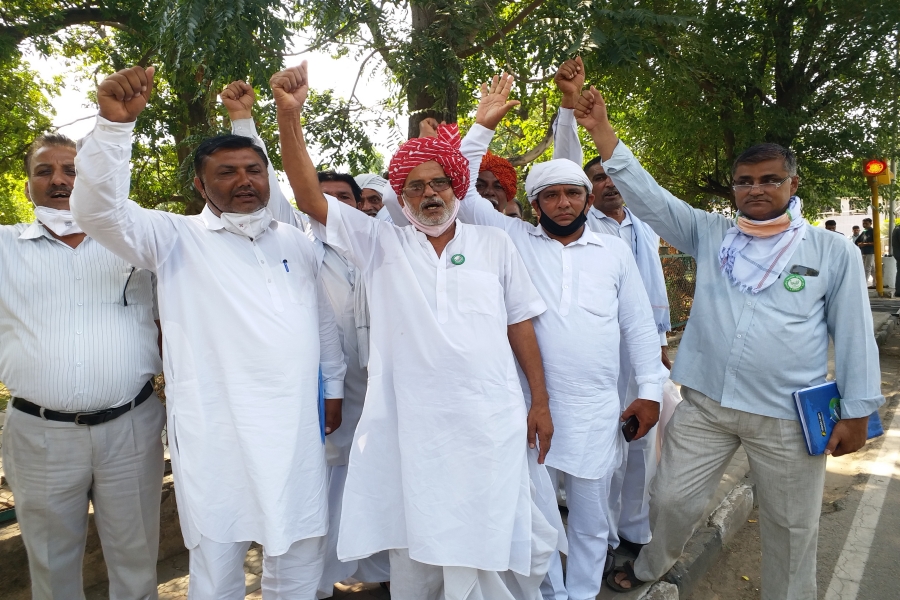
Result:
[[250, 225], [59, 222]]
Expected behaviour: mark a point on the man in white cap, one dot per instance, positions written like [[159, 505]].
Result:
[[594, 294], [245, 331], [371, 199], [629, 501], [439, 469], [346, 293]]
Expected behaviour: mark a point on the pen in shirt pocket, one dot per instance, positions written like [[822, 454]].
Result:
[[286, 269]]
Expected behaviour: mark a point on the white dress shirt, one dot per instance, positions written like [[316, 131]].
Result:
[[594, 295], [439, 456], [243, 325], [68, 341]]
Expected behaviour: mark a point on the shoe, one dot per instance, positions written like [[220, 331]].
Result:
[[632, 547], [610, 563]]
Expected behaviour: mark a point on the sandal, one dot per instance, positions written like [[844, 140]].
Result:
[[628, 570], [610, 563]]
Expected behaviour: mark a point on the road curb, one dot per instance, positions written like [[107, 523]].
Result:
[[703, 549], [886, 330]]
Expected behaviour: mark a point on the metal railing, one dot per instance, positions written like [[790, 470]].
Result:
[[680, 272]]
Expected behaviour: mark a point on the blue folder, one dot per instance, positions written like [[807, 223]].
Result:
[[819, 408]]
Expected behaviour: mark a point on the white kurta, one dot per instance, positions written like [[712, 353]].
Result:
[[438, 463], [242, 322], [594, 297]]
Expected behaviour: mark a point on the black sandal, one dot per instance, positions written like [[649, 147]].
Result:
[[633, 582]]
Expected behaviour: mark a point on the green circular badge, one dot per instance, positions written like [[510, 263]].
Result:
[[457, 259], [794, 283]]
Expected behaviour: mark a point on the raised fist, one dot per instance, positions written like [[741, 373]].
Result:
[[590, 110], [290, 88], [570, 79], [123, 95], [238, 98]]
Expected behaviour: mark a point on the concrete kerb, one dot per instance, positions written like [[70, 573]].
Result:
[[703, 549], [886, 329]]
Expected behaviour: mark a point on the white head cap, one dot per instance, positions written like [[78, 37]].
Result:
[[371, 181], [560, 171]]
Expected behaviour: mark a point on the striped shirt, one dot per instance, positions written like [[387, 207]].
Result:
[[67, 339]]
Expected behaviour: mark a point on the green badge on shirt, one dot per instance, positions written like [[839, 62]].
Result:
[[794, 283], [457, 259]]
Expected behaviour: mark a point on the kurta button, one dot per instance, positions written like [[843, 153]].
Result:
[[739, 335], [269, 280]]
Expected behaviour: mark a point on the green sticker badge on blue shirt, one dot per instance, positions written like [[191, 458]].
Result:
[[794, 283]]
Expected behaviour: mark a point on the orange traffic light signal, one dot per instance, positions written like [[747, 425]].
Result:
[[874, 167]]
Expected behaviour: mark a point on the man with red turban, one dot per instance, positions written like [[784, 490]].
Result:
[[439, 457], [497, 181]]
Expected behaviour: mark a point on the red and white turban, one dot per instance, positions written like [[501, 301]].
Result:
[[503, 171], [443, 149]]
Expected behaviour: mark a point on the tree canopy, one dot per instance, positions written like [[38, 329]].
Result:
[[689, 83]]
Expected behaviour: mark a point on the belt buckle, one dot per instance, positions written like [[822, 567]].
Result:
[[89, 414]]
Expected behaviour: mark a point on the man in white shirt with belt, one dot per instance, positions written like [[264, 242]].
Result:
[[595, 298], [244, 331], [78, 347], [347, 295], [630, 489], [439, 470]]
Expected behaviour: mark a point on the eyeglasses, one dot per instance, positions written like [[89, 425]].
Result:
[[417, 188], [767, 186]]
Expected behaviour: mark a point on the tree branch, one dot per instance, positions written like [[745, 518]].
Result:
[[540, 148], [512, 24], [73, 16]]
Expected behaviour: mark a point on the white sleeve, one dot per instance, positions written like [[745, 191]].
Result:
[[278, 203], [351, 233], [639, 333], [565, 137], [100, 201], [522, 299], [474, 209], [331, 356], [662, 339], [393, 208]]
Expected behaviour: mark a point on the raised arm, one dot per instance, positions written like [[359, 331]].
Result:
[[672, 219], [99, 199], [569, 79], [493, 106], [238, 98], [290, 88]]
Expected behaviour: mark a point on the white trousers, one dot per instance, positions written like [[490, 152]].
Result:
[[629, 492], [55, 468], [375, 568], [217, 571], [700, 440], [412, 580], [869, 267]]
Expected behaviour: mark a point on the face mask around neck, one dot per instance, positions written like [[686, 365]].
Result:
[[554, 228], [60, 222], [250, 225]]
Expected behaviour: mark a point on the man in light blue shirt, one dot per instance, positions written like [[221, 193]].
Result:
[[770, 292]]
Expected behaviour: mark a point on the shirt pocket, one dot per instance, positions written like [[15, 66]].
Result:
[[799, 305], [134, 287], [300, 290], [598, 296], [477, 291]]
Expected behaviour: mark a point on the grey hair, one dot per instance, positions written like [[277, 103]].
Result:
[[763, 152]]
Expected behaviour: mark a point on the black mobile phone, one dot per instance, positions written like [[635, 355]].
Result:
[[630, 428]]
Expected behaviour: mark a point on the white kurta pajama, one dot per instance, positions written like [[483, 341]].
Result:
[[438, 466], [242, 322], [595, 298], [629, 504], [345, 292]]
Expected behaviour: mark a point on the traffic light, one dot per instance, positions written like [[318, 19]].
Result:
[[878, 169]]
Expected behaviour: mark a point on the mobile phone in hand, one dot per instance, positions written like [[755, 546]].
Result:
[[630, 428]]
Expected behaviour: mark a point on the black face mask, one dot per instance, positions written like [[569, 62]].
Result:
[[554, 228]]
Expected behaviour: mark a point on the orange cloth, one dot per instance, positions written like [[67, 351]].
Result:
[[503, 171]]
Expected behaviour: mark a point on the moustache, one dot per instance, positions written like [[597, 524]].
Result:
[[433, 201], [249, 191], [59, 191]]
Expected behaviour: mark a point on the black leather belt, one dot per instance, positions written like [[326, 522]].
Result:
[[82, 418]]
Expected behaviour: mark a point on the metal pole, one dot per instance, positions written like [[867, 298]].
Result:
[[876, 226]]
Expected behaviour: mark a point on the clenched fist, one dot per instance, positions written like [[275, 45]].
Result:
[[123, 95], [238, 98], [290, 88], [570, 79]]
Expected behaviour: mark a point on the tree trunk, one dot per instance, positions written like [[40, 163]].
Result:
[[422, 102]]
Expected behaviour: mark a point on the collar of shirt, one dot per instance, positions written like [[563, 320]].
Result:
[[423, 240], [587, 236], [34, 231], [601, 215]]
